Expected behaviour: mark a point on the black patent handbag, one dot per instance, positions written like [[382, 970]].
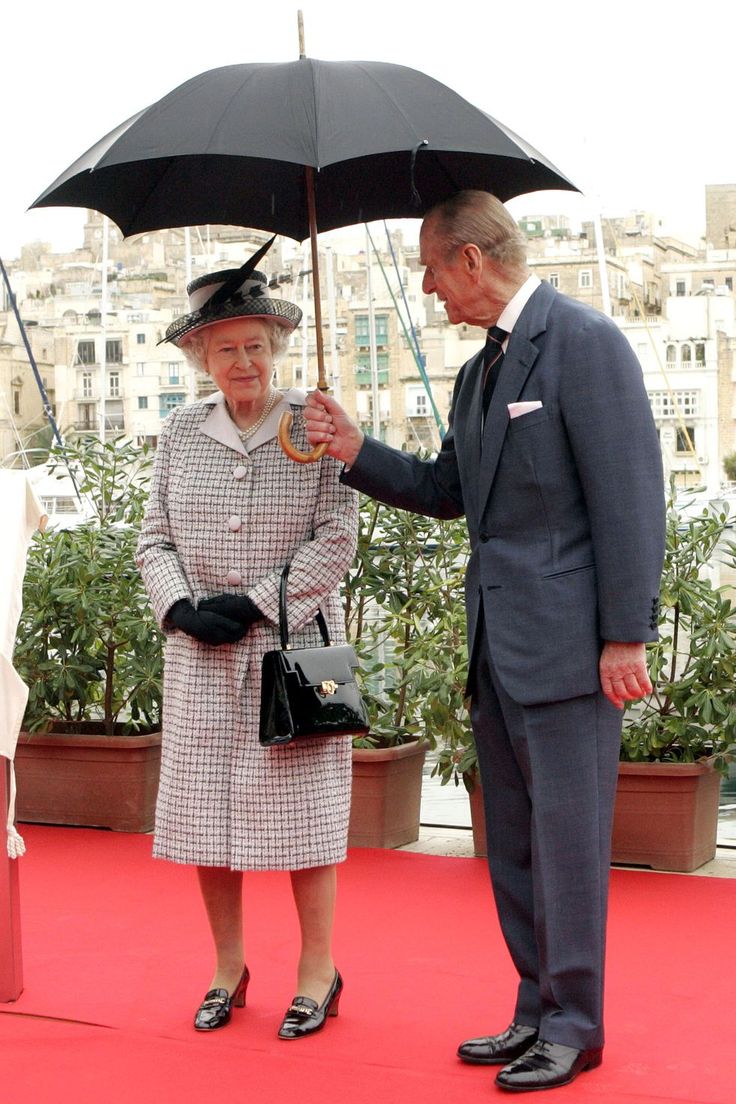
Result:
[[309, 692]]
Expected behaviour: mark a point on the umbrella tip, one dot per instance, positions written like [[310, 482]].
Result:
[[300, 26]]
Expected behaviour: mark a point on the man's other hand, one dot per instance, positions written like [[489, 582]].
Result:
[[623, 671]]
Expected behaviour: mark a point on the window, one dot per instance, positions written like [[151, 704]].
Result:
[[85, 352], [362, 333], [685, 441], [700, 352], [362, 329], [59, 504], [140, 368], [585, 278], [174, 368], [417, 402], [686, 354], [170, 402], [363, 369], [729, 283], [114, 385], [143, 402], [114, 351], [381, 329], [86, 385], [680, 287], [671, 354], [16, 401], [554, 279], [674, 404], [140, 339], [86, 416]]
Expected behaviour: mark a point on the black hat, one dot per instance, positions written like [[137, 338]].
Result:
[[234, 293]]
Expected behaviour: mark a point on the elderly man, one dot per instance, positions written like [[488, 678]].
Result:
[[553, 458]]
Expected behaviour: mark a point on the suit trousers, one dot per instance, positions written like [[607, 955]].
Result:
[[548, 774]]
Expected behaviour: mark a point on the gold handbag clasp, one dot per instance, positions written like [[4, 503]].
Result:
[[328, 688]]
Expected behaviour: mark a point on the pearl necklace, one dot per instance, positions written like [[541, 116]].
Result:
[[246, 434]]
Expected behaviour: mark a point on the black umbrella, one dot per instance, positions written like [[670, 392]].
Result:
[[296, 146]]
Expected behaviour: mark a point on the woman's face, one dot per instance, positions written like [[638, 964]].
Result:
[[239, 359]]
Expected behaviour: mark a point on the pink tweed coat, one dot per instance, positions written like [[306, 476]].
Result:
[[223, 517]]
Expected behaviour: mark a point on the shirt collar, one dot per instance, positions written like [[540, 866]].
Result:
[[510, 314], [220, 426]]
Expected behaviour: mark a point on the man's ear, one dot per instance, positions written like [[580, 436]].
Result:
[[472, 259]]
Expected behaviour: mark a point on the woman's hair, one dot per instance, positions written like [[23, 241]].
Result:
[[478, 217], [195, 347]]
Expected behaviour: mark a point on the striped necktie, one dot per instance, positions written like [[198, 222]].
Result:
[[492, 361]]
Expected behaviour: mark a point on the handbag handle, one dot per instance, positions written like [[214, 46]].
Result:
[[284, 621]]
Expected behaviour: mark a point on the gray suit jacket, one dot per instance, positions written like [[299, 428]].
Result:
[[564, 505]]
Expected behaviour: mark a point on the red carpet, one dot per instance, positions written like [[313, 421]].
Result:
[[117, 956]]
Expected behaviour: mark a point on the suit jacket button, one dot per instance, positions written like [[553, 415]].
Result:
[[239, 472], [483, 538], [234, 578], [234, 523]]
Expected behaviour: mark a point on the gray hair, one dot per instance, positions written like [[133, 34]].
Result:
[[195, 346], [480, 218]]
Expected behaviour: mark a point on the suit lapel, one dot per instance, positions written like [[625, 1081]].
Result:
[[517, 364]]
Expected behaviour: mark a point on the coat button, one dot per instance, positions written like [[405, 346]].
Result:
[[483, 538], [234, 523], [240, 472], [234, 578]]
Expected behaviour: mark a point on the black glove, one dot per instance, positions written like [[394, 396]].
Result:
[[205, 626], [237, 607]]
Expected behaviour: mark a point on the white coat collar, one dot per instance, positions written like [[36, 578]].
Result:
[[220, 427]]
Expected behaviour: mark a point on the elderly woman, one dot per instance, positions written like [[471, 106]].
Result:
[[227, 511]]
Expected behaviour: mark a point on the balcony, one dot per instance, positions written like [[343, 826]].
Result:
[[363, 377], [87, 395]]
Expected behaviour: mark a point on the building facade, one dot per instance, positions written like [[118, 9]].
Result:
[[390, 355]]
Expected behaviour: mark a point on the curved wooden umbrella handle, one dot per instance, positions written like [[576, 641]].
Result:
[[294, 453]]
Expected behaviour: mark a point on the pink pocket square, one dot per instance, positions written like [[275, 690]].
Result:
[[517, 409]]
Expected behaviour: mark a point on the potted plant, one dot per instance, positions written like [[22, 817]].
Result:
[[677, 742], [90, 652], [384, 617]]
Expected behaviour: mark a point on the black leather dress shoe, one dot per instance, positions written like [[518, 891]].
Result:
[[497, 1050], [216, 1008], [547, 1066], [304, 1016]]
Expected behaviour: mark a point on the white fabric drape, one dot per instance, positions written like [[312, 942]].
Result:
[[21, 514]]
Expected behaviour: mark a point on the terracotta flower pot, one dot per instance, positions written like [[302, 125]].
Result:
[[666, 815], [86, 779], [477, 817], [387, 794]]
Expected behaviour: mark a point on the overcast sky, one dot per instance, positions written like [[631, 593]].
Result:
[[633, 100]]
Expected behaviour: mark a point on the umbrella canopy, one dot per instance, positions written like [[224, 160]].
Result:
[[294, 147], [230, 147]]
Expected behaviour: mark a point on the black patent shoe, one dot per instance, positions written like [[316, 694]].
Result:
[[497, 1050], [215, 1009], [547, 1066], [304, 1016]]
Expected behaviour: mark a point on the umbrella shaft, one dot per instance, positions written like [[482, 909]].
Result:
[[312, 213]]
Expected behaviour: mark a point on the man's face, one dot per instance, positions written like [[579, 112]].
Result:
[[447, 277]]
